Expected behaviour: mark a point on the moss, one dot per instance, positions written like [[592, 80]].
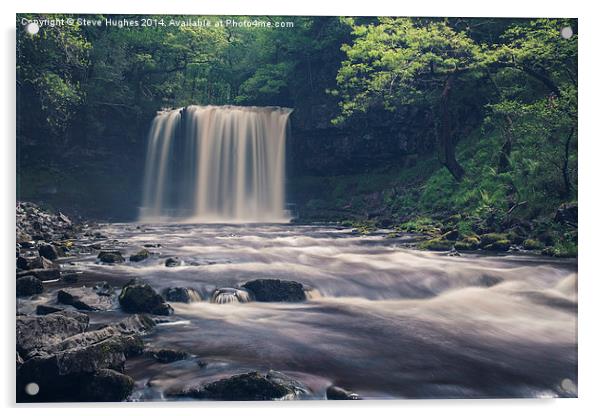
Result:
[[467, 243], [436, 244], [491, 238], [532, 244], [499, 245], [561, 249]]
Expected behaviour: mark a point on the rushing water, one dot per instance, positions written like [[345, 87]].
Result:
[[383, 320], [216, 164]]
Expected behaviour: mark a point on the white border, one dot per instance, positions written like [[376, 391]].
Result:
[[590, 276]]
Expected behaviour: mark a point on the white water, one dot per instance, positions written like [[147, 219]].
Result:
[[222, 164], [382, 320]]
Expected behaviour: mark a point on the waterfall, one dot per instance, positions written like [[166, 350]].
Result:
[[216, 164]]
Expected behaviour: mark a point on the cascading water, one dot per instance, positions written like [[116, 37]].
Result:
[[216, 164]]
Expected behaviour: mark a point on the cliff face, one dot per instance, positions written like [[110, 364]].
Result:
[[377, 141]]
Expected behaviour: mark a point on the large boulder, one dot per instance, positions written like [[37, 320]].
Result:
[[249, 386], [276, 290], [39, 332], [29, 285], [85, 366], [138, 297]]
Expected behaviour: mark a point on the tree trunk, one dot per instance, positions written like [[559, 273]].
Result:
[[504, 162], [445, 136]]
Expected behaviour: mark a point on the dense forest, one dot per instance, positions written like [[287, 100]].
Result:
[[465, 126]]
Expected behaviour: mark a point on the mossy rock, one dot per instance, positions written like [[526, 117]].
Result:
[[491, 238], [532, 244], [110, 257], [467, 244], [139, 256], [436, 244], [499, 245]]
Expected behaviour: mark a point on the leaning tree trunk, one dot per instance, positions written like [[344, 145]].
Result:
[[446, 142]]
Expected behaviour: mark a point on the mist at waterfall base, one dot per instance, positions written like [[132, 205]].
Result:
[[209, 164]]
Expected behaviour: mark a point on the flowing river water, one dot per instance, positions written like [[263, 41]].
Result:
[[383, 320]]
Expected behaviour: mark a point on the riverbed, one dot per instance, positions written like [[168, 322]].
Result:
[[382, 319]]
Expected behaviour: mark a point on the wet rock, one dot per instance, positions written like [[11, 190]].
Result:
[[38, 332], [67, 298], [47, 309], [42, 274], [70, 277], [49, 251], [137, 297], [172, 262], [170, 356], [104, 289], [152, 245], [29, 262], [107, 386], [29, 285], [181, 294], [299, 389], [110, 257], [567, 213], [338, 393], [249, 386], [275, 290], [139, 256]]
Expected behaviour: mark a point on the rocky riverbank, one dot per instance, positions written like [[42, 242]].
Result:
[[63, 353]]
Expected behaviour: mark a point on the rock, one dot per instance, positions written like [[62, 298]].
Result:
[[70, 277], [242, 387], [567, 213], [38, 332], [49, 251], [531, 244], [299, 389], [42, 274], [152, 245], [338, 393], [436, 244], [452, 235], [181, 294], [172, 262], [139, 256], [29, 285], [170, 356], [275, 290], [67, 298], [467, 244], [490, 238], [136, 297], [28, 263], [104, 289], [46, 309], [107, 386], [499, 245], [110, 257]]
